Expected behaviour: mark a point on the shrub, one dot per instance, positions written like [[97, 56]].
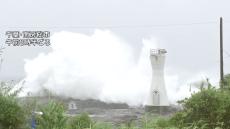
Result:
[[101, 125], [52, 117], [12, 115], [156, 122], [81, 122], [162, 123], [226, 81], [206, 109]]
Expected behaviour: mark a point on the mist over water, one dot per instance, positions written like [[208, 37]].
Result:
[[99, 66]]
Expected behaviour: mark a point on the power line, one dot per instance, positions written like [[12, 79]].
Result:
[[118, 26]]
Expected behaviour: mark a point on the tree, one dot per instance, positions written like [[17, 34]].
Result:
[[209, 108], [12, 115]]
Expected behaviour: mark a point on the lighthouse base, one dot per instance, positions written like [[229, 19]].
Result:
[[157, 109]]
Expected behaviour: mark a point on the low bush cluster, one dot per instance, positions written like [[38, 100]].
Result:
[[12, 115], [207, 109]]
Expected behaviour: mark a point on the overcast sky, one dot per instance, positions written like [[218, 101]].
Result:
[[188, 29]]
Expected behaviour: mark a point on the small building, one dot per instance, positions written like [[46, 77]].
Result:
[[72, 105]]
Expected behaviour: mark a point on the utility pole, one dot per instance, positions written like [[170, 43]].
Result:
[[221, 54]]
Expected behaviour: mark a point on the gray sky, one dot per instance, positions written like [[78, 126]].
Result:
[[192, 47]]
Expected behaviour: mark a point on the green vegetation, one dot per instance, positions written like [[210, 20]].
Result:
[[226, 82], [12, 115], [81, 122], [207, 109], [52, 117]]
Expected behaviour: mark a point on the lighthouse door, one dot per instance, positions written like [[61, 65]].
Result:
[[156, 98]]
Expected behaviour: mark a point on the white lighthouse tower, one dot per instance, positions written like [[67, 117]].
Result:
[[157, 94]]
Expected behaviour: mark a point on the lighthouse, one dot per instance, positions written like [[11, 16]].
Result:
[[157, 96]]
